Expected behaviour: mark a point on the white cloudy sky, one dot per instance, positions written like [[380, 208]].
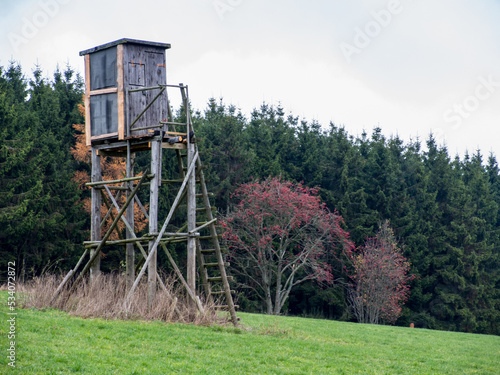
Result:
[[408, 66]]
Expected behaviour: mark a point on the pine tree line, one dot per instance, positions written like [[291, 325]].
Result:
[[41, 224], [444, 210]]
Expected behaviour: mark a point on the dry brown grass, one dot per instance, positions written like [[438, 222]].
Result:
[[104, 298]]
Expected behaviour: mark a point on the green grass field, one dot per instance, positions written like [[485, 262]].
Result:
[[53, 342]]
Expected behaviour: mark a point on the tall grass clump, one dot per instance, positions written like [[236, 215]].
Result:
[[104, 296]]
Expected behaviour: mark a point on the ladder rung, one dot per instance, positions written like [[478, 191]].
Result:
[[201, 195], [208, 265], [226, 306], [181, 180], [210, 251], [198, 223], [208, 237], [221, 292], [207, 251], [219, 278], [216, 278], [202, 209]]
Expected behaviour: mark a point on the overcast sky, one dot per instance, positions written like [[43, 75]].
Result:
[[408, 66]]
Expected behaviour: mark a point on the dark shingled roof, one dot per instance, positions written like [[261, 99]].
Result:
[[124, 41]]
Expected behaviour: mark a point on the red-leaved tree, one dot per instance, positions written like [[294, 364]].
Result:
[[380, 279], [279, 234]]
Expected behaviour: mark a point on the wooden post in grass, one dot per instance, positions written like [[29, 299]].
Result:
[[153, 216], [96, 202], [191, 197], [129, 257]]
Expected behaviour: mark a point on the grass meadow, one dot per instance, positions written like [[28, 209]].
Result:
[[49, 341]]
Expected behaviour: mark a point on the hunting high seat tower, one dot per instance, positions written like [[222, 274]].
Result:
[[127, 110]]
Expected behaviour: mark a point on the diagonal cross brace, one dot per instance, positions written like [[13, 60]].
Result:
[[110, 213], [131, 230], [147, 107], [189, 174], [110, 230], [181, 278], [115, 203]]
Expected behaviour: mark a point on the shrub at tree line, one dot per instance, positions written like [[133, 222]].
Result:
[[380, 279], [443, 211]]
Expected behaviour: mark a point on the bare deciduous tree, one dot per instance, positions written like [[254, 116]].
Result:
[[278, 235]]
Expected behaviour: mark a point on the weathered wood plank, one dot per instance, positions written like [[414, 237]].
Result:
[[87, 101], [127, 179], [109, 90], [121, 93]]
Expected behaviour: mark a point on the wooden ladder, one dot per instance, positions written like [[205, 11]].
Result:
[[209, 255], [208, 250]]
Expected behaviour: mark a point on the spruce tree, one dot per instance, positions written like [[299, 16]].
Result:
[[222, 146], [41, 223]]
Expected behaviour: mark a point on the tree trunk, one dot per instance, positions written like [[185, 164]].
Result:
[[269, 301], [277, 299]]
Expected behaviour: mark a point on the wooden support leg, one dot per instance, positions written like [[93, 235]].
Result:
[[129, 258], [152, 250], [191, 200], [153, 216], [191, 241], [95, 225]]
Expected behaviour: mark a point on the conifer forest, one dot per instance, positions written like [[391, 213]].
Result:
[[443, 210]]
